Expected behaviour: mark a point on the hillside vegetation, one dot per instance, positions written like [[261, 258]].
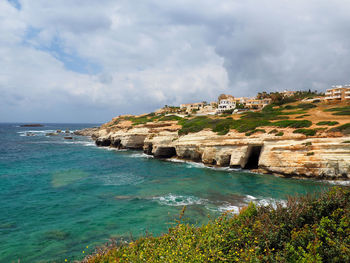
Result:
[[304, 118], [307, 229]]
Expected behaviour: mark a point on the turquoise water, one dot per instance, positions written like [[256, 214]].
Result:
[[58, 196]]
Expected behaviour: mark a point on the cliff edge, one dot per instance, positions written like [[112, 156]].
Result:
[[309, 141]]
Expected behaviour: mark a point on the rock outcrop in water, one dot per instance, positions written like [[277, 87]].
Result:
[[287, 155]]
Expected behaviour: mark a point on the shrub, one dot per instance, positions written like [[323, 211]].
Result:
[[170, 118], [307, 132], [307, 143], [329, 123], [290, 107], [279, 134], [302, 116], [310, 153], [345, 128], [340, 110], [254, 131], [293, 123], [306, 106], [228, 111], [307, 229], [194, 125], [221, 126], [273, 131]]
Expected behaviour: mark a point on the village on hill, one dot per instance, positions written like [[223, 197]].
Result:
[[229, 104]]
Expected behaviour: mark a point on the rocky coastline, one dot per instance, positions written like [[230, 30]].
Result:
[[291, 155]]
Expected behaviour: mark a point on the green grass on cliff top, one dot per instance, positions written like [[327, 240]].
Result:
[[248, 122], [307, 229], [340, 110]]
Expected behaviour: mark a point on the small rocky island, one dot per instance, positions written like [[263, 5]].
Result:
[[32, 125]]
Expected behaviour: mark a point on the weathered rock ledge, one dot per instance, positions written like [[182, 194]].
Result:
[[289, 155]]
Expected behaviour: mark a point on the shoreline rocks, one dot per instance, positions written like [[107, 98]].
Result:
[[290, 156]]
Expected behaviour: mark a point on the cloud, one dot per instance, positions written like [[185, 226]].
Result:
[[88, 61]]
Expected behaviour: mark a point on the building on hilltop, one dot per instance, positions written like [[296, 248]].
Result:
[[257, 104], [226, 102], [288, 93], [338, 93], [208, 109], [190, 107]]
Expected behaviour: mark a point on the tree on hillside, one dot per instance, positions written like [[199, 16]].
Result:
[[222, 97]]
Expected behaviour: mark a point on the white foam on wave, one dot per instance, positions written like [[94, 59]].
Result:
[[192, 164], [338, 182], [229, 208], [35, 132], [271, 201], [140, 155], [176, 160], [179, 200], [83, 143], [250, 197], [235, 208]]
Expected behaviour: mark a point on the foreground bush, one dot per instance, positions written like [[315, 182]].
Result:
[[307, 229]]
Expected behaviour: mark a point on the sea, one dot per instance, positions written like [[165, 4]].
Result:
[[61, 198]]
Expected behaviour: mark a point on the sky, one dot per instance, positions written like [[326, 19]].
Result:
[[92, 60]]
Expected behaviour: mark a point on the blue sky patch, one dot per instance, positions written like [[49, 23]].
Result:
[[15, 3], [71, 60]]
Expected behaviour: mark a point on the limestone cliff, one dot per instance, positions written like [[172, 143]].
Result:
[[322, 156]]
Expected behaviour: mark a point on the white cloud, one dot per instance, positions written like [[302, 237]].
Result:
[[89, 60]]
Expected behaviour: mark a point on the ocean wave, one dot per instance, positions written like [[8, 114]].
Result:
[[338, 182], [229, 208], [140, 155], [35, 132], [271, 201], [235, 208], [179, 200], [250, 197], [193, 164], [83, 143]]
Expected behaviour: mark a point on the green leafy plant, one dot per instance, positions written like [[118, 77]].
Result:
[[307, 143], [328, 123], [345, 128], [306, 229], [340, 110], [254, 131], [170, 118], [293, 123], [307, 132]]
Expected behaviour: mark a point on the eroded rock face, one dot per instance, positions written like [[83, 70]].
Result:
[[103, 141], [217, 155], [164, 152], [292, 155], [239, 156], [319, 157]]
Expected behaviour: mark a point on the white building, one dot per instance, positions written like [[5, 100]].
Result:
[[228, 103], [338, 93]]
